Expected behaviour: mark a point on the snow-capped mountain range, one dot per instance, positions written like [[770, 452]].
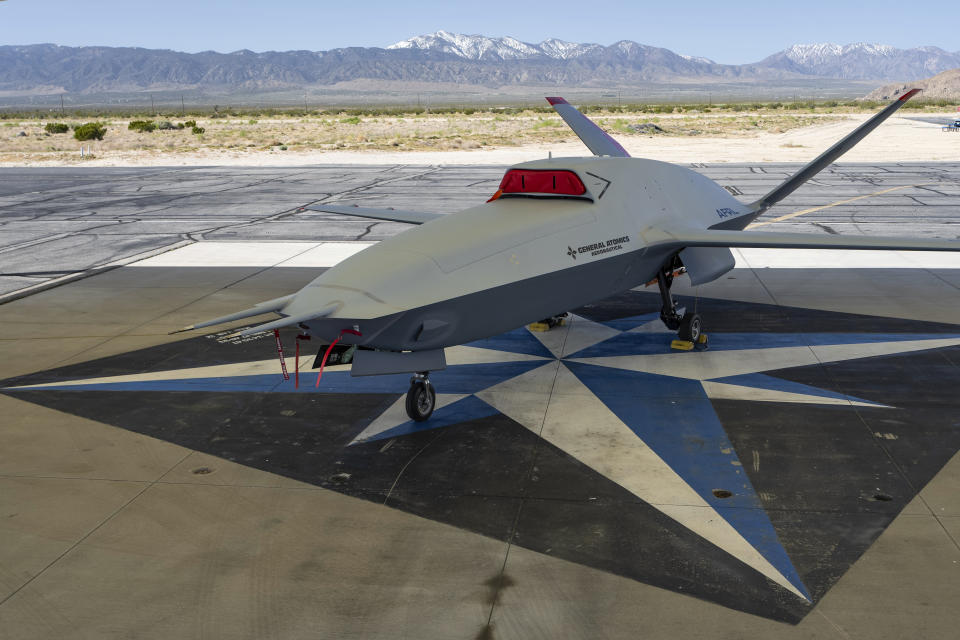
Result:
[[478, 47], [484, 48], [447, 58], [863, 61], [825, 52]]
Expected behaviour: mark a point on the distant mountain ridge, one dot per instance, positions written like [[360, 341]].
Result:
[[862, 61], [443, 57], [943, 86]]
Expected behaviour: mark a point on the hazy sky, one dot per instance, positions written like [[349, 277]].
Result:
[[728, 32]]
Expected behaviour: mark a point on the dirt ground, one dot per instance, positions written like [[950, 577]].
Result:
[[479, 138]]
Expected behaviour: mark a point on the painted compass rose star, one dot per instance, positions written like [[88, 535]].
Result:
[[611, 395]]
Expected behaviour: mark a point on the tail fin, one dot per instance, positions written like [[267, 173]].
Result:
[[828, 156], [596, 139]]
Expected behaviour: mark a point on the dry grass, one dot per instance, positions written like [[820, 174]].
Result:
[[412, 132]]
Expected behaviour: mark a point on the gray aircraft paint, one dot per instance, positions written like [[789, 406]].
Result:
[[516, 249], [468, 317]]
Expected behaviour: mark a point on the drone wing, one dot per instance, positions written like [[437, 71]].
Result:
[[392, 215], [270, 306], [772, 240], [824, 159], [596, 139]]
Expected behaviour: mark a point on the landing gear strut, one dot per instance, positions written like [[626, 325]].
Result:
[[671, 315], [687, 325], [421, 398]]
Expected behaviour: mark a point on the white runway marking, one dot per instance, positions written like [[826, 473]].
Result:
[[256, 254], [844, 259], [328, 254]]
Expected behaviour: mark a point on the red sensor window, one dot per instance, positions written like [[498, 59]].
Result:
[[565, 183]]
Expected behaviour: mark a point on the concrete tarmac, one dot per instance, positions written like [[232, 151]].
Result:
[[62, 223], [231, 505]]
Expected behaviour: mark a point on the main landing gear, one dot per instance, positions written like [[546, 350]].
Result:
[[421, 398], [689, 326]]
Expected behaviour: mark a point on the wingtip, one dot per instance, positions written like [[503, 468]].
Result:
[[553, 100], [909, 94]]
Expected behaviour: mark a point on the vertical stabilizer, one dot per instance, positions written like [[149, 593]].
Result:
[[596, 139]]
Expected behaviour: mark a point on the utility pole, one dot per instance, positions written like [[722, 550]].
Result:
[[61, 104], [182, 110], [151, 103]]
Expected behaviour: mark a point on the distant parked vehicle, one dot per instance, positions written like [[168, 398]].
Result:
[[953, 126]]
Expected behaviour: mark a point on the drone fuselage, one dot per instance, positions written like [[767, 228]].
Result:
[[514, 260]]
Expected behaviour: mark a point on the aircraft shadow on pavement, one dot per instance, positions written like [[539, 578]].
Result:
[[811, 503]]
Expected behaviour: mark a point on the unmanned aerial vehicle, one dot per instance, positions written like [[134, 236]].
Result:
[[559, 233]]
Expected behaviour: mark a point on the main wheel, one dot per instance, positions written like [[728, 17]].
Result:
[[421, 399], [690, 327]]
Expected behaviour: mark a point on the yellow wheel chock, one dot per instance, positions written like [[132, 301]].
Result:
[[548, 323]]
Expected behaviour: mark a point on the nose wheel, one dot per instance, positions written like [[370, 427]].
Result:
[[421, 398]]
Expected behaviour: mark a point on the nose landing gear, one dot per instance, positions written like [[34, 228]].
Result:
[[421, 398]]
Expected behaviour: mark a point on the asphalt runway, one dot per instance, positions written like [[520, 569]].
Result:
[[799, 479]]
